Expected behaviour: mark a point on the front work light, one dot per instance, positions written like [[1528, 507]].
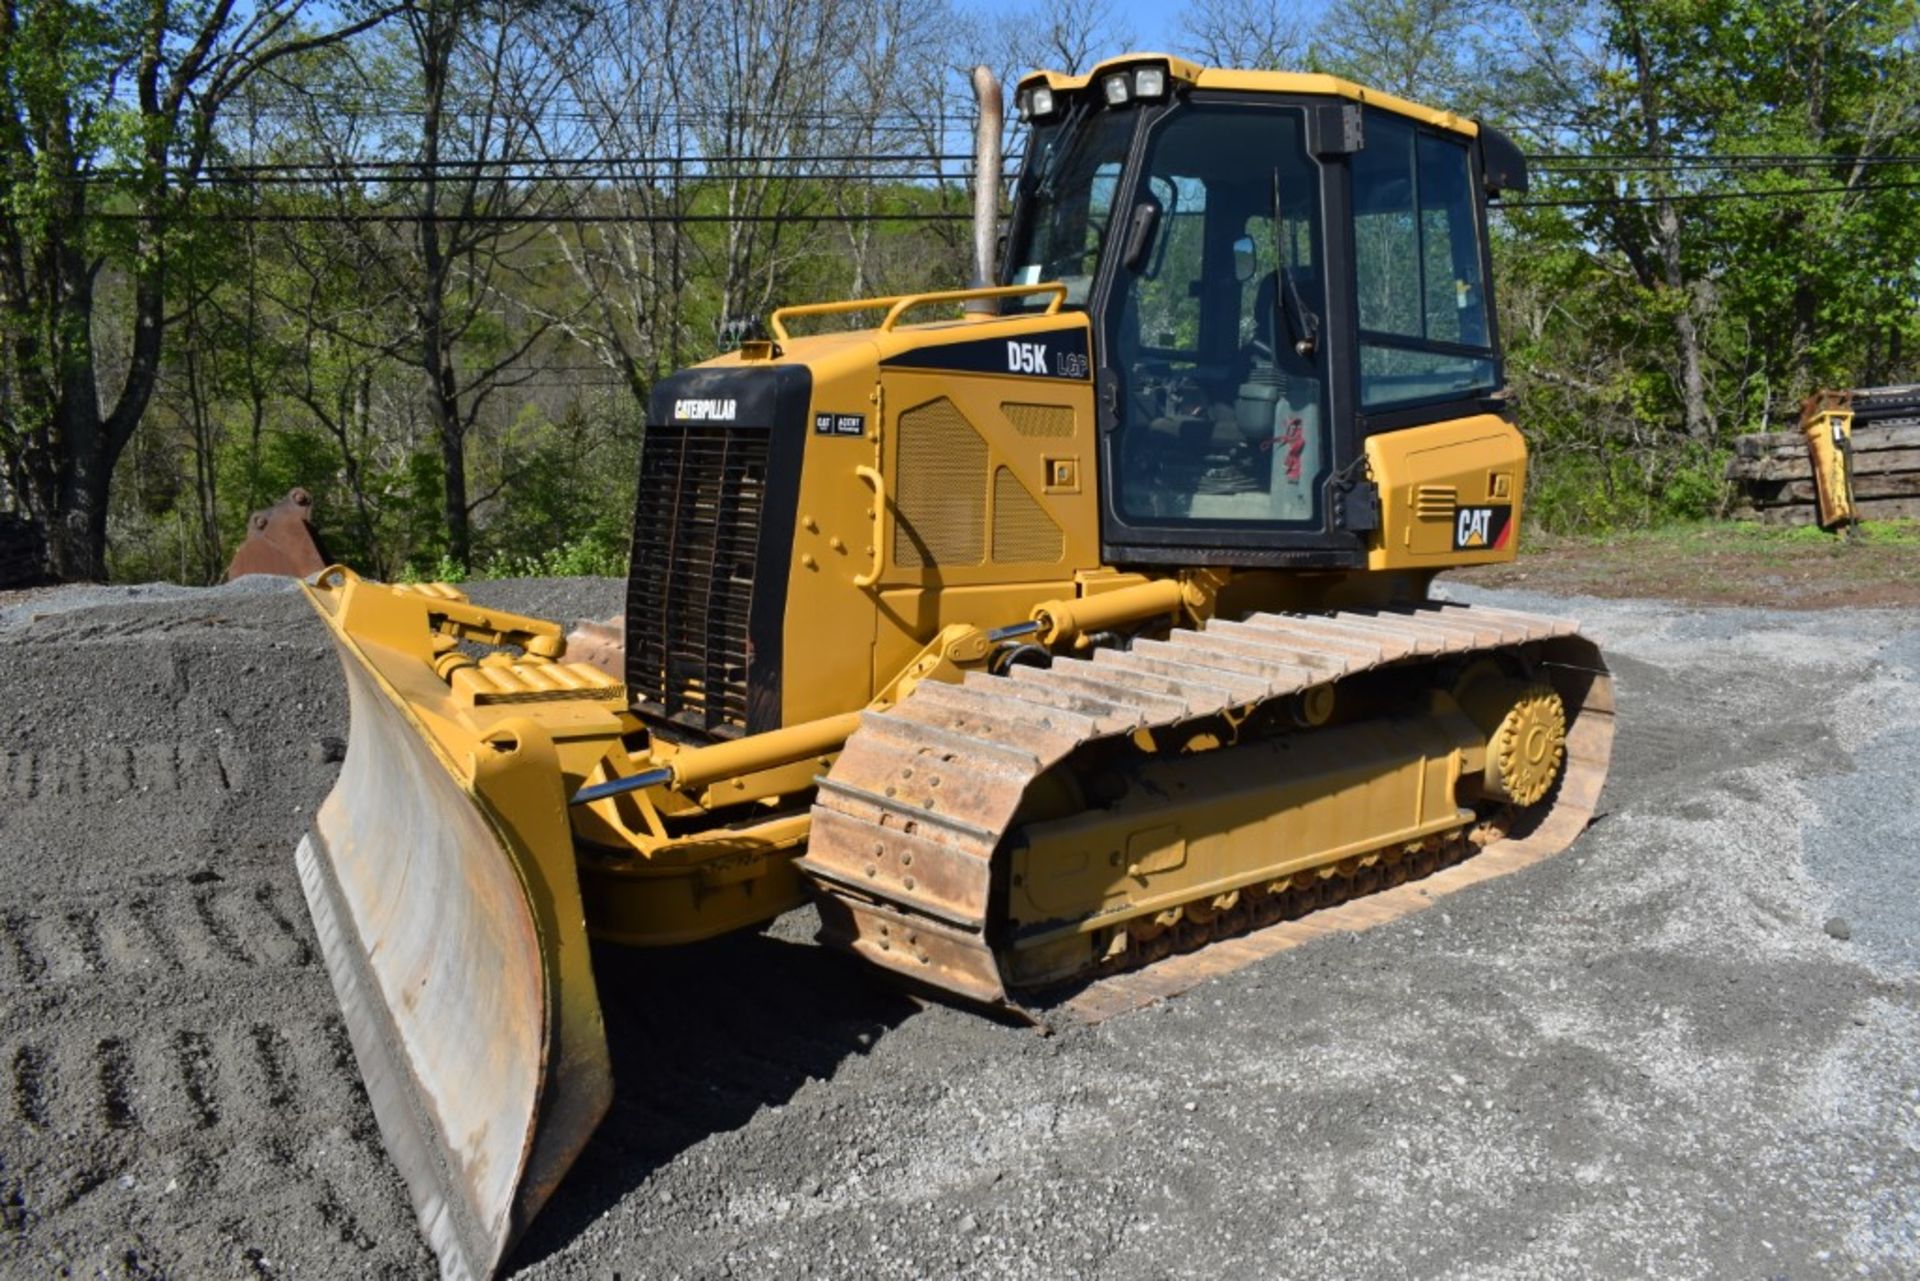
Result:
[[1116, 89], [1040, 101], [1149, 82]]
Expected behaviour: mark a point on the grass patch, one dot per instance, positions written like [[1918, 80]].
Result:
[[1725, 562]]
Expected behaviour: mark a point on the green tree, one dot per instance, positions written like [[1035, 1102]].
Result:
[[1737, 229], [1420, 49], [107, 124]]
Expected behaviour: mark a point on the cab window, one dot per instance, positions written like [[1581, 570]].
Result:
[[1424, 332], [1070, 185]]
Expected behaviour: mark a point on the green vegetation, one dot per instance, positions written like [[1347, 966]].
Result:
[[1725, 563], [1686, 537]]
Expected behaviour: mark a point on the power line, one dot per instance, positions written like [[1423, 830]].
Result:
[[532, 178], [550, 170], [693, 122], [668, 161], [571, 104], [1653, 158], [543, 219], [698, 167], [376, 216], [724, 166], [1696, 168], [1706, 197]]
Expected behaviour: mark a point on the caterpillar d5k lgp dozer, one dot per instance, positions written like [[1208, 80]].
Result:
[[1033, 643]]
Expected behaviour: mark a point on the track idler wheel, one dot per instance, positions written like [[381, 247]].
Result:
[[1526, 727]]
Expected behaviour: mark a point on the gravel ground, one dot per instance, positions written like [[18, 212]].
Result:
[[1647, 1057]]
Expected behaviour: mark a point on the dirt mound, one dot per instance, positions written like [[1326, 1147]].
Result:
[[177, 1093]]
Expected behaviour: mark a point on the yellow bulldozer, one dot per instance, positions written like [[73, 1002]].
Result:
[[1036, 632]]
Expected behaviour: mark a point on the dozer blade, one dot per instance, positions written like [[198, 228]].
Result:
[[443, 891]]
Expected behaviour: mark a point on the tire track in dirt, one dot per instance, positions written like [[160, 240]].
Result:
[[105, 772], [180, 929], [224, 1093], [29, 1071], [166, 1049], [177, 1096], [113, 1068], [16, 945]]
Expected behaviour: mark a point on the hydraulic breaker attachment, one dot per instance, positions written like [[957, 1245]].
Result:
[[440, 874], [1826, 420]]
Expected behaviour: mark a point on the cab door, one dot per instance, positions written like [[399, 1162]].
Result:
[[1218, 431]]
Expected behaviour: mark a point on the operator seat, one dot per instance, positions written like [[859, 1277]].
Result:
[[1279, 406]]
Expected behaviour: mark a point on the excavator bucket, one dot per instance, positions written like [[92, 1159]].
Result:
[[281, 540], [440, 876]]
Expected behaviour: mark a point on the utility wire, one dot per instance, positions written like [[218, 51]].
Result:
[[572, 104], [691, 167], [543, 219], [1705, 197], [510, 219], [669, 161], [1666, 158], [534, 177], [730, 167]]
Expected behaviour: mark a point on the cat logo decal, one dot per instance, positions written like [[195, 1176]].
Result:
[[1479, 529]]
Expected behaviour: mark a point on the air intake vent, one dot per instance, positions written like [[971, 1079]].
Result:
[[696, 532], [1435, 502], [1053, 422], [940, 515], [1022, 530]]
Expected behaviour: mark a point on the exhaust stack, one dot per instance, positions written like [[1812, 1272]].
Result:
[[986, 186]]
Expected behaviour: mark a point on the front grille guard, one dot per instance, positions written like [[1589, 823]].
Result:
[[690, 589]]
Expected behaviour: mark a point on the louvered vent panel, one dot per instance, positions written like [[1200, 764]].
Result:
[[1022, 530], [1043, 421], [1435, 502], [940, 513], [696, 534]]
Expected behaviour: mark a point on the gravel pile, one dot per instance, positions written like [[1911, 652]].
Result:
[[1690, 1046]]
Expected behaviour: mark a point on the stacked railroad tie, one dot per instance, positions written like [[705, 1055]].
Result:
[[1773, 475]]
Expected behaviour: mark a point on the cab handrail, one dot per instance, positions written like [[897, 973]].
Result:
[[899, 304]]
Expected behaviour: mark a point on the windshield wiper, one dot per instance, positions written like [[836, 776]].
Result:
[[1057, 157], [1309, 339]]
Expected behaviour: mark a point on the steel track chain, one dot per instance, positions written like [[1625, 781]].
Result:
[[907, 824]]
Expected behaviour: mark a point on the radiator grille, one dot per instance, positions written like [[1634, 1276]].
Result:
[[695, 538], [941, 510]]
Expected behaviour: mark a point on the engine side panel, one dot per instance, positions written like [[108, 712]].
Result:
[[949, 478], [1450, 494]]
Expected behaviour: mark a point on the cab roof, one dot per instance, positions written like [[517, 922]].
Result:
[[1275, 82]]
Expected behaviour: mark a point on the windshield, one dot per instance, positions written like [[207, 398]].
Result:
[[1212, 335], [1069, 181]]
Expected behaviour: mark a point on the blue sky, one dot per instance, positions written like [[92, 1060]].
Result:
[[1156, 22]]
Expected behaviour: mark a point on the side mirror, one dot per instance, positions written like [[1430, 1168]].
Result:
[[1146, 216], [1243, 260]]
